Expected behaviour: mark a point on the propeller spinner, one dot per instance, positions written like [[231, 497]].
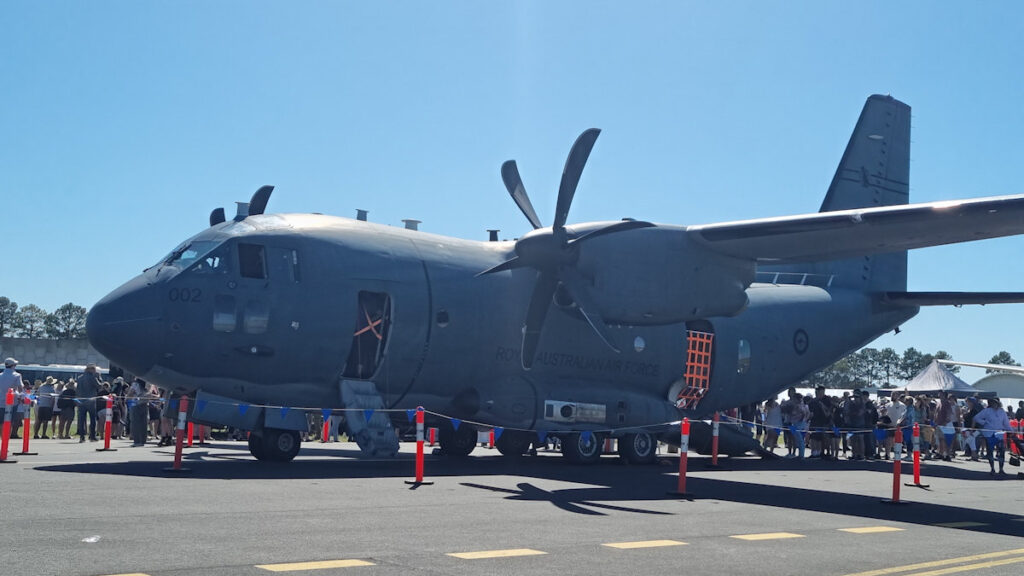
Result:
[[552, 253]]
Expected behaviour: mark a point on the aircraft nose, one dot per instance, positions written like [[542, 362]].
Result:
[[126, 326]]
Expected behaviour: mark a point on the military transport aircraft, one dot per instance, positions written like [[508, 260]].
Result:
[[580, 331]]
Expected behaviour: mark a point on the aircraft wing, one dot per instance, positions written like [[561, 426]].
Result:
[[858, 232], [997, 367]]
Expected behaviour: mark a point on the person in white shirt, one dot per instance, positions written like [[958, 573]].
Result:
[[44, 407], [993, 423]]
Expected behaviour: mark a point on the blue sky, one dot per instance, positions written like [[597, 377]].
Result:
[[124, 123]]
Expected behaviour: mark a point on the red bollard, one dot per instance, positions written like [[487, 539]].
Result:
[[327, 430], [107, 422], [202, 435], [917, 458], [684, 448], [490, 440], [179, 436], [1014, 430], [189, 431], [896, 469], [419, 450], [433, 436], [6, 439], [26, 425]]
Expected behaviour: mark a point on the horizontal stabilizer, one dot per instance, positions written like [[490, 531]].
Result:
[[952, 298], [861, 232]]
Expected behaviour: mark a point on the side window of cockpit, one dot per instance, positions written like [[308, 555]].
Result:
[[291, 264], [252, 262], [743, 361]]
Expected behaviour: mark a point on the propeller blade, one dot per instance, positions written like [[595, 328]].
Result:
[[258, 202], [539, 304], [514, 185], [506, 265], [217, 216], [571, 174], [612, 229], [576, 285]]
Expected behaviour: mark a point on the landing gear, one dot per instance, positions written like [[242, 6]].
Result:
[[514, 443], [256, 446], [578, 449], [457, 442], [639, 448], [274, 445]]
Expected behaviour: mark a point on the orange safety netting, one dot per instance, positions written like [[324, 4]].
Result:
[[698, 369]]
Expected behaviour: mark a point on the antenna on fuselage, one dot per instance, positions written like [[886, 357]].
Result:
[[361, 215], [492, 235], [411, 224]]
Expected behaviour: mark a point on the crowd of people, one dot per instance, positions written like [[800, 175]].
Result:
[[859, 428], [136, 408]]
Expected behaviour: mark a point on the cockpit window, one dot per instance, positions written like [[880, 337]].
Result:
[[252, 263], [188, 253], [214, 262]]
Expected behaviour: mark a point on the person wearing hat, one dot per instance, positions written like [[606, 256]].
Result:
[[11, 380]]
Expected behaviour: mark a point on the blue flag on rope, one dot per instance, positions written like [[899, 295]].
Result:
[[200, 405], [368, 414], [284, 411], [792, 429], [542, 435], [78, 400], [586, 435], [456, 422], [835, 430], [131, 403], [497, 433], [32, 397], [243, 408], [410, 414], [326, 412]]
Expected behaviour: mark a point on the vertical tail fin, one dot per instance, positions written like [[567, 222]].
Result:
[[874, 171]]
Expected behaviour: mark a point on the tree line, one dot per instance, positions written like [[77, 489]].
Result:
[[886, 368], [31, 321]]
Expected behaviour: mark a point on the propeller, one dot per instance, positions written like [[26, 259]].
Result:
[[553, 253]]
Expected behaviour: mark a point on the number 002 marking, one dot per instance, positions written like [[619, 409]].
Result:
[[185, 295]]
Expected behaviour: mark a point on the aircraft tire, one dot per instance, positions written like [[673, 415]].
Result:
[[280, 445], [639, 448], [256, 446], [576, 451], [514, 443], [458, 443]]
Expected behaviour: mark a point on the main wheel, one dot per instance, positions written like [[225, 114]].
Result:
[[280, 445], [514, 442], [256, 446], [580, 449], [457, 442], [639, 448]]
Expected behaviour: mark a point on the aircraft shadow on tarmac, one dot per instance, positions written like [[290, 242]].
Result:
[[607, 483]]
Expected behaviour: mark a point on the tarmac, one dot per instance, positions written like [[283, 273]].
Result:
[[71, 510]]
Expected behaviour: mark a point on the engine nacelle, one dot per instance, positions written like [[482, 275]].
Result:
[[659, 276]]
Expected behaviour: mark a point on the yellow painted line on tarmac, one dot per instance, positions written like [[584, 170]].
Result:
[[644, 544], [767, 536], [496, 554], [968, 567], [937, 563], [960, 524], [299, 566], [871, 529], [132, 574]]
